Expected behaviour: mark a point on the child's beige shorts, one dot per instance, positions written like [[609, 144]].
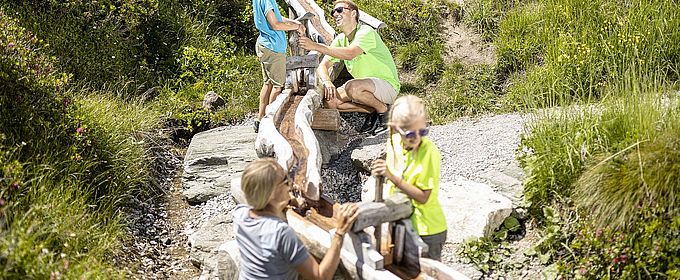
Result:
[[273, 65]]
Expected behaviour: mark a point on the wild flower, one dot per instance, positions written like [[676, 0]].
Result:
[[80, 130]]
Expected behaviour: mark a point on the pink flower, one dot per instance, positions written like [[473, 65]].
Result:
[[582, 271], [2, 202], [14, 186], [598, 233], [80, 130], [10, 45]]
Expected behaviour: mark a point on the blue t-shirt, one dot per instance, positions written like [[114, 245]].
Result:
[[269, 247], [274, 40]]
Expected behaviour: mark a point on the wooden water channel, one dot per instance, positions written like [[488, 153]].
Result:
[[382, 243]]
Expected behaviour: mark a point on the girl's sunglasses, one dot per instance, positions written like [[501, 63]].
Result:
[[339, 10], [412, 134]]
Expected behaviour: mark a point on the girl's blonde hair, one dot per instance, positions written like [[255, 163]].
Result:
[[258, 181], [406, 110]]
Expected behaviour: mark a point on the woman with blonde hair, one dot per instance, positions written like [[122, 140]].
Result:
[[268, 246], [413, 166]]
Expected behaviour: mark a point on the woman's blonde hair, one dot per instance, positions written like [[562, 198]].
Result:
[[406, 110], [258, 181]]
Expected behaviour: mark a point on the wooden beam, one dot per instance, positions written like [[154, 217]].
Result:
[[326, 119], [371, 21], [396, 207], [305, 61], [318, 28], [317, 241]]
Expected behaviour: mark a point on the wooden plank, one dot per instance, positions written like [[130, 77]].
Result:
[[305, 61], [326, 119], [318, 28], [440, 271], [317, 241], [395, 207]]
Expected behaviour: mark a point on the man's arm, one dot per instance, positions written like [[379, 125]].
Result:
[[324, 75], [344, 53], [285, 25]]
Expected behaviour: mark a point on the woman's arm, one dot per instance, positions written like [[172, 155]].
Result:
[[379, 168], [310, 269]]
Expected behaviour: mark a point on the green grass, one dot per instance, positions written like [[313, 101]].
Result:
[[571, 49], [462, 90]]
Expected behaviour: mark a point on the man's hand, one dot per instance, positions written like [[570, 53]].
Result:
[[307, 43], [301, 30], [329, 90]]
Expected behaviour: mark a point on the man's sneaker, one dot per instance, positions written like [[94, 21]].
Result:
[[380, 124], [257, 125], [369, 122]]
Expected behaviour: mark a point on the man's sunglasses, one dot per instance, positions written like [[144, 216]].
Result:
[[412, 134], [339, 10]]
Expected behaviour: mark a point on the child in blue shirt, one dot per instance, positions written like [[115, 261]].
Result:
[[271, 49]]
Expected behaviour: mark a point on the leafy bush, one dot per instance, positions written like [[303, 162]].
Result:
[[561, 141]]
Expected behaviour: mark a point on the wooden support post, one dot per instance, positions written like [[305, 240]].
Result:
[[396, 207], [326, 119]]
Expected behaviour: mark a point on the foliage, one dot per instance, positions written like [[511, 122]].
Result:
[[561, 141], [572, 49], [485, 15], [487, 253], [462, 90], [66, 161]]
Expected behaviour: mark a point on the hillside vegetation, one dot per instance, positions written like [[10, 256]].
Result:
[[85, 86]]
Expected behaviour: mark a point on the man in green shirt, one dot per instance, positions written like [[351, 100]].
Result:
[[375, 84]]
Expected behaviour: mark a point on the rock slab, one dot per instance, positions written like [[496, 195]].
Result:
[[472, 209], [212, 158]]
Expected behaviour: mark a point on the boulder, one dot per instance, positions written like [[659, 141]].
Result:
[[363, 157], [206, 241], [212, 158], [472, 209], [212, 101]]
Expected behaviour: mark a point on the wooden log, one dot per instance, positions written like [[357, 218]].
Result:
[[326, 119], [305, 61], [440, 271], [318, 28], [303, 120], [371, 21], [269, 142], [396, 207], [317, 241]]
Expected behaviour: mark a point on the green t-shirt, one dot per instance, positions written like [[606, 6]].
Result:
[[376, 61], [422, 170]]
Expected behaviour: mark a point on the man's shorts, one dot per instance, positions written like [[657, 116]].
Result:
[[383, 91], [273, 65]]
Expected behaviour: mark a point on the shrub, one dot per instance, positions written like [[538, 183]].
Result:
[[561, 141]]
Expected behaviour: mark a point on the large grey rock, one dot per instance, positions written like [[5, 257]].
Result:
[[472, 209], [206, 241], [363, 157], [212, 158]]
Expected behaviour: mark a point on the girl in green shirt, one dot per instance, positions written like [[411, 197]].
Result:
[[413, 166]]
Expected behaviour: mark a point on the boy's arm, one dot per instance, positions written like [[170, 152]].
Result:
[[284, 25]]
